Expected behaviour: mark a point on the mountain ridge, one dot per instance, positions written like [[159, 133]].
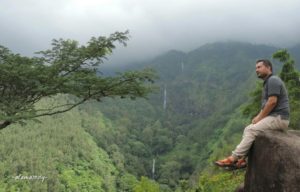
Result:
[[172, 137]]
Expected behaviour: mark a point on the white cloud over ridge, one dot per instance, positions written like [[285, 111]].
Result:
[[28, 26]]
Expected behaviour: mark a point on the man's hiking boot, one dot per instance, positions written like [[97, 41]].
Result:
[[231, 164], [241, 163], [227, 162]]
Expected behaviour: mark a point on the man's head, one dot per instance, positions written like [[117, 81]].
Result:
[[263, 68]]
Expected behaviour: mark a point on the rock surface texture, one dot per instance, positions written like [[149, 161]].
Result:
[[274, 163]]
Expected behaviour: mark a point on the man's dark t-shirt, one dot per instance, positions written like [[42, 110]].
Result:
[[274, 86]]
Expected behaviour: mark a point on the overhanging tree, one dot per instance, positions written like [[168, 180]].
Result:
[[69, 69]]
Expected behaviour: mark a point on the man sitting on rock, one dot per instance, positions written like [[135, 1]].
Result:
[[274, 114]]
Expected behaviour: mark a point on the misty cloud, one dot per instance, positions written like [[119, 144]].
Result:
[[155, 26]]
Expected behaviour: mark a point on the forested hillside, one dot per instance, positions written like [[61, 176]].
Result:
[[193, 117], [54, 155]]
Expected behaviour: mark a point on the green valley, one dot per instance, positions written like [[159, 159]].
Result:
[[166, 142]]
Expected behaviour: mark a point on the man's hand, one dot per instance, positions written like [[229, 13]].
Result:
[[271, 103]]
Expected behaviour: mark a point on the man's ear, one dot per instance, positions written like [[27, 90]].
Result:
[[270, 68]]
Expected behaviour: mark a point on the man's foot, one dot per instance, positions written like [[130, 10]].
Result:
[[240, 164], [228, 162]]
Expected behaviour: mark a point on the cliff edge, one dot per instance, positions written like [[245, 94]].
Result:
[[274, 163]]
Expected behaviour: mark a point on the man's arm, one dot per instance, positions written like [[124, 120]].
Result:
[[271, 103]]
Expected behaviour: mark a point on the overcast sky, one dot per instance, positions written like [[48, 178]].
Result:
[[155, 26]]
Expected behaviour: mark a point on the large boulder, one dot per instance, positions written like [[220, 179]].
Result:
[[274, 163]]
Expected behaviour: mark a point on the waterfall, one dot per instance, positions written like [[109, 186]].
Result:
[[153, 169], [182, 66], [165, 98]]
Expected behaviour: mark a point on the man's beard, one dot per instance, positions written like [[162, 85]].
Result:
[[261, 75]]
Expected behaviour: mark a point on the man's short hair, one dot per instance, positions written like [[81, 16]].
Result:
[[266, 63]]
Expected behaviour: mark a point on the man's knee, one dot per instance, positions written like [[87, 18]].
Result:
[[251, 130]]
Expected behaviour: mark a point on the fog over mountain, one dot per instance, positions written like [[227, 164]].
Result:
[[155, 26]]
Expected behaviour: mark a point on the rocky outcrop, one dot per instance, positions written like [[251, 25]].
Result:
[[274, 163]]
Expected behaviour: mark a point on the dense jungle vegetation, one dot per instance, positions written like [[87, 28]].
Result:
[[167, 142]]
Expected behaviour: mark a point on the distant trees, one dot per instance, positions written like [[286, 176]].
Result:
[[68, 69], [291, 77], [146, 185]]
